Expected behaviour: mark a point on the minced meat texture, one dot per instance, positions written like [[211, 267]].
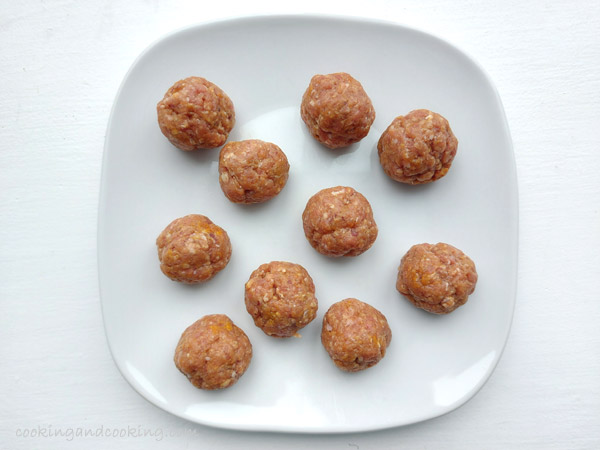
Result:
[[337, 110], [252, 171], [195, 114], [280, 297], [437, 278], [417, 148], [192, 249], [339, 221], [213, 353], [355, 334]]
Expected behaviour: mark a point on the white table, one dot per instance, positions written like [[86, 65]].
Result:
[[61, 64]]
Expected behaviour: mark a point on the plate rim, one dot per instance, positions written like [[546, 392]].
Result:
[[324, 17]]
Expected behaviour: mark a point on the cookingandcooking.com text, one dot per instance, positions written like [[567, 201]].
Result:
[[101, 431]]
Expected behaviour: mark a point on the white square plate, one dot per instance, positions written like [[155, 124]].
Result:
[[434, 363]]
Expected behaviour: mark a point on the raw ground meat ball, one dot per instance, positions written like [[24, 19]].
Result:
[[280, 297], [213, 352], [252, 171], [337, 110], [339, 221], [195, 114], [192, 249], [355, 334], [437, 278], [417, 148]]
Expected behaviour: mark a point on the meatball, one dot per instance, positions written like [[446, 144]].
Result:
[[195, 114], [339, 221], [437, 278], [192, 249], [337, 110], [355, 334], [417, 148], [252, 171], [280, 297], [213, 352]]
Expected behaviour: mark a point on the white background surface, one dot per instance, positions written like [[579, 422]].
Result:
[[60, 66]]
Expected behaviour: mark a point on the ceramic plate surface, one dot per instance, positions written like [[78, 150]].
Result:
[[434, 363]]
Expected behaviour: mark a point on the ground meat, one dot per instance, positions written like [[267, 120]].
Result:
[[195, 114], [213, 352], [252, 171], [417, 148], [437, 278], [280, 297], [192, 249], [355, 335], [339, 221], [337, 110]]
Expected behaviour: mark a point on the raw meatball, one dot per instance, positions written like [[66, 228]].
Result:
[[192, 249], [213, 352], [337, 110], [280, 297], [195, 113], [417, 148], [339, 221], [355, 335], [252, 171], [437, 278]]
